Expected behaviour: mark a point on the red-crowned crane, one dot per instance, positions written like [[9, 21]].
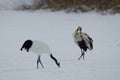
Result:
[[39, 48], [83, 40]]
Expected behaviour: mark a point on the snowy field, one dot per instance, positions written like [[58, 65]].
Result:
[[102, 63], [13, 4]]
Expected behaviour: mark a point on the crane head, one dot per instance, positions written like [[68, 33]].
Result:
[[79, 29]]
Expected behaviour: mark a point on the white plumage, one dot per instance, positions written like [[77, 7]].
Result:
[[39, 48], [83, 40]]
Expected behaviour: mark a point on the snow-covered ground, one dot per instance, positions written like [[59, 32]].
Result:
[[102, 63], [13, 4]]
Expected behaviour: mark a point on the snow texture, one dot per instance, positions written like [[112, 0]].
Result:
[[13, 4], [56, 29]]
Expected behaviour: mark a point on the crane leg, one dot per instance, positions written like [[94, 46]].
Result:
[[39, 60], [82, 54]]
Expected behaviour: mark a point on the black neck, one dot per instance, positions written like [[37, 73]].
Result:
[[58, 64]]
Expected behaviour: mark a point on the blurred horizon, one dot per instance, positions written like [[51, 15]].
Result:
[[77, 6]]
